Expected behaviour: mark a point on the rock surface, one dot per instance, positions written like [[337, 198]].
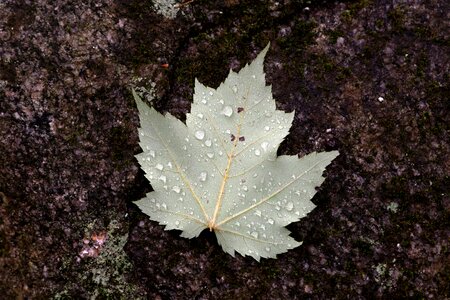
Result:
[[369, 78]]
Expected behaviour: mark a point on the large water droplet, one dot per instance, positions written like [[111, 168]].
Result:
[[176, 189], [270, 221], [200, 115], [203, 176], [200, 134], [227, 111], [266, 128], [159, 167]]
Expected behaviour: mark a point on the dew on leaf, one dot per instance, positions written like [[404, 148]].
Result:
[[235, 89], [152, 153], [264, 146], [257, 152], [208, 143], [159, 167], [210, 154], [203, 176], [163, 178], [227, 111], [176, 189], [266, 128], [199, 134], [289, 206], [254, 234], [270, 221]]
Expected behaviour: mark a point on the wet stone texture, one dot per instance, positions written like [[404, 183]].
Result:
[[368, 78]]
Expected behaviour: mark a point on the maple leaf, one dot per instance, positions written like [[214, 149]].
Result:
[[221, 172]]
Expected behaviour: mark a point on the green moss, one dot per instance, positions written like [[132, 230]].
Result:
[[354, 8], [104, 276], [303, 34], [333, 35], [396, 17]]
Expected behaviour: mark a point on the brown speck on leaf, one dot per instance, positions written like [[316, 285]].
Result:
[[233, 137], [241, 138], [240, 109]]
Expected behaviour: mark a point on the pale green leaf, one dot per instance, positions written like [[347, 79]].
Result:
[[220, 171]]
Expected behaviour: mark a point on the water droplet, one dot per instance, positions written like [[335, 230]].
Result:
[[169, 164], [176, 189], [254, 234], [264, 146], [235, 89], [177, 223], [208, 143], [257, 152], [163, 206], [200, 134], [210, 154], [267, 128], [200, 115], [152, 153], [227, 111], [245, 188], [203, 176], [289, 206], [270, 221], [163, 178], [211, 93], [258, 213], [268, 249], [159, 167]]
